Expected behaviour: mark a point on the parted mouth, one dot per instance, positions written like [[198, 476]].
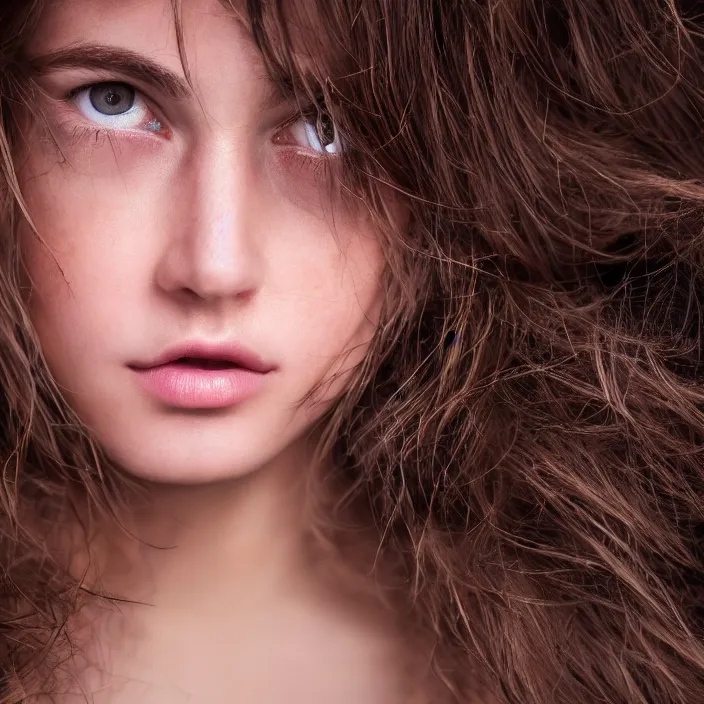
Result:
[[200, 354], [202, 363]]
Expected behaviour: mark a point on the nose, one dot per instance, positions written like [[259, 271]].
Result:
[[212, 250]]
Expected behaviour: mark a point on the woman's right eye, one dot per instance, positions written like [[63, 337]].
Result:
[[116, 106]]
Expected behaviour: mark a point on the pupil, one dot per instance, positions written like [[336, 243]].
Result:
[[112, 98]]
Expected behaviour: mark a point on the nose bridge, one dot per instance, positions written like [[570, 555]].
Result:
[[214, 252]]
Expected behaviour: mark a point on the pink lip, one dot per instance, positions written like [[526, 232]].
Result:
[[188, 385]]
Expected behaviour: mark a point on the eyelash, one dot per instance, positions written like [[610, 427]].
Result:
[[311, 114]]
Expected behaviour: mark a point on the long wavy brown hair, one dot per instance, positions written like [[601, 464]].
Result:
[[526, 435]]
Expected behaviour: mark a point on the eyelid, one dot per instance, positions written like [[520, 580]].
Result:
[[72, 95], [146, 91], [310, 111], [285, 127]]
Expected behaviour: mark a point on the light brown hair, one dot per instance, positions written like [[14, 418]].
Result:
[[527, 431]]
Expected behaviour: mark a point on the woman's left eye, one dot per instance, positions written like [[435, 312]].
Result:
[[116, 106], [318, 134]]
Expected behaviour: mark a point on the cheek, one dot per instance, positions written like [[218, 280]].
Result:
[[306, 184], [45, 256], [57, 317], [336, 309], [51, 255], [86, 210], [67, 268]]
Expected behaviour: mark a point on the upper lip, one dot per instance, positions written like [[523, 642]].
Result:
[[215, 351]]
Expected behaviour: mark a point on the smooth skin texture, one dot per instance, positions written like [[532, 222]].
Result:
[[199, 215]]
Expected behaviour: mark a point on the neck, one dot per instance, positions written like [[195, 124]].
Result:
[[191, 543], [233, 567]]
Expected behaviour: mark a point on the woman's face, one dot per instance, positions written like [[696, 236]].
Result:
[[195, 282]]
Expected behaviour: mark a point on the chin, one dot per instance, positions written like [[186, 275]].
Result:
[[185, 475], [173, 447], [186, 460]]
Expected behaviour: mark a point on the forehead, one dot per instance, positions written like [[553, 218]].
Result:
[[129, 22], [217, 45], [217, 42]]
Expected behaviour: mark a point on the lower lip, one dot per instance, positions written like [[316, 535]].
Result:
[[184, 386]]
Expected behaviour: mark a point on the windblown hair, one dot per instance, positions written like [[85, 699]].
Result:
[[527, 430]]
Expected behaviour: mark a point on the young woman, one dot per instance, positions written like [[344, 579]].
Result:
[[351, 352]]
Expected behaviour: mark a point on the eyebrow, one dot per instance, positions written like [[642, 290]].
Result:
[[123, 61]]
